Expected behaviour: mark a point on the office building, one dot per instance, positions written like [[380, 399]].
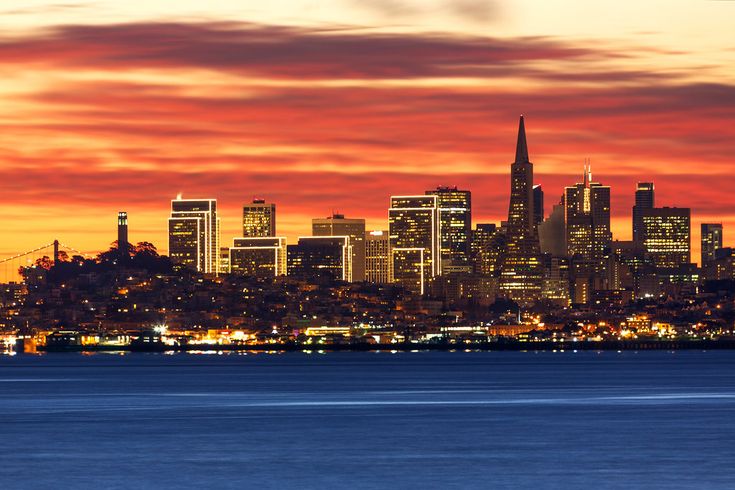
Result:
[[338, 225], [377, 257], [521, 271], [587, 222], [259, 219], [644, 200], [667, 236], [486, 249], [323, 257], [258, 256], [414, 240], [193, 234], [711, 241], [455, 227]]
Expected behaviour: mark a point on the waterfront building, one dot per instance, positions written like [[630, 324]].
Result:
[[338, 225], [193, 234], [667, 236], [259, 219], [644, 200], [414, 240], [258, 256], [377, 257], [521, 271], [316, 257], [455, 227]]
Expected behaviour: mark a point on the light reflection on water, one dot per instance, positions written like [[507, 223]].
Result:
[[369, 420]]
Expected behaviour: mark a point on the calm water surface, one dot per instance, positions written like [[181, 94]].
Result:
[[369, 420]]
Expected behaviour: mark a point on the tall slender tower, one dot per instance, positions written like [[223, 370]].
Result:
[[538, 205], [521, 274], [122, 232]]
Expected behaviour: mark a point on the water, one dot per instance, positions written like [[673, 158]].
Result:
[[369, 420]]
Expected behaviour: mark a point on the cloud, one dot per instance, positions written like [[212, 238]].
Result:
[[480, 11], [128, 115], [471, 11], [287, 52], [47, 9]]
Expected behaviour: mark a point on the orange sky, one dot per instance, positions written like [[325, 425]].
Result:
[[109, 107]]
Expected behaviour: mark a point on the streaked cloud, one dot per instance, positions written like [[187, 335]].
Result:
[[317, 118]]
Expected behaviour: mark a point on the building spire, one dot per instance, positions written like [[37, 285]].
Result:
[[521, 146], [587, 172]]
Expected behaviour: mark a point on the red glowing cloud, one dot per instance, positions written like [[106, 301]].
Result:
[[111, 117]]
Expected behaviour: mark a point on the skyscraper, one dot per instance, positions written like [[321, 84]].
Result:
[[521, 272], [319, 257], [377, 257], [587, 218], [414, 240], [259, 219], [644, 199], [711, 241], [538, 204], [338, 225], [258, 256], [122, 232], [667, 236], [455, 227], [193, 234]]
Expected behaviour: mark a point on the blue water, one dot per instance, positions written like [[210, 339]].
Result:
[[369, 420]]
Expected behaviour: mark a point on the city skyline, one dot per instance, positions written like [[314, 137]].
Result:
[[266, 223], [284, 105], [367, 243]]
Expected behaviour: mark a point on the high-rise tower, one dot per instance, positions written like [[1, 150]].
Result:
[[413, 223], [667, 236], [644, 200], [538, 205], [587, 217], [455, 227], [193, 234], [521, 272], [711, 241]]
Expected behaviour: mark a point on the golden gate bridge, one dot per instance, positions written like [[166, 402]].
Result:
[[10, 265]]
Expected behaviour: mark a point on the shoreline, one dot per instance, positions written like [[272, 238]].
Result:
[[637, 345]]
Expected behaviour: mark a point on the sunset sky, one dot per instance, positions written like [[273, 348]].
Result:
[[322, 105]]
